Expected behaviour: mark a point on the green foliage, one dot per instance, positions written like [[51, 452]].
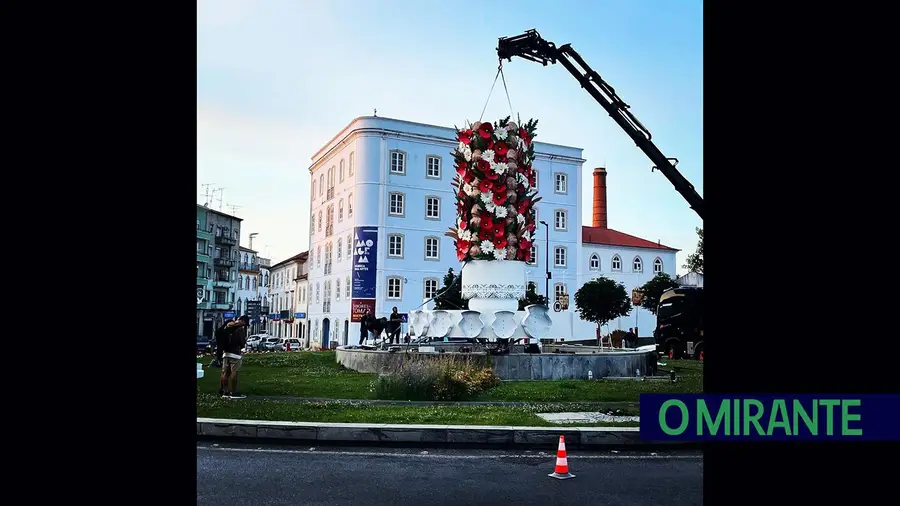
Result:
[[694, 261], [653, 289], [450, 296], [602, 300], [418, 378], [531, 297]]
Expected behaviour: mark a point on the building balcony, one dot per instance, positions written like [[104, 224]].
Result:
[[222, 306], [223, 283], [224, 262], [205, 305], [226, 240], [248, 267], [202, 281], [301, 277]]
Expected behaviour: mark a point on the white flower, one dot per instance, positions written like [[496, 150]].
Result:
[[500, 211], [487, 197], [489, 207], [462, 147], [501, 133], [470, 236], [526, 235], [467, 153], [500, 254], [520, 219], [488, 155], [487, 246], [500, 168]]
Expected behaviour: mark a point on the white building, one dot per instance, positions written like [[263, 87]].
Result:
[[287, 297], [391, 179]]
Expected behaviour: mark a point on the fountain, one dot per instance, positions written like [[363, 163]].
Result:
[[495, 198]]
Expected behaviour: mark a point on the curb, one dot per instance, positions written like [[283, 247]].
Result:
[[455, 435]]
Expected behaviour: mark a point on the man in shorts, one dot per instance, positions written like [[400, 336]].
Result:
[[231, 356]]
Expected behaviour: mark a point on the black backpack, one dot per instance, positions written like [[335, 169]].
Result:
[[223, 335]]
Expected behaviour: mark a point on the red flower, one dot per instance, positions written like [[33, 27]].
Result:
[[500, 148], [484, 234], [461, 169], [485, 130], [499, 232], [487, 223], [523, 205], [490, 144], [499, 198], [524, 135], [485, 185], [491, 175], [465, 136], [500, 242], [462, 248], [463, 224], [484, 166], [469, 177], [524, 245]]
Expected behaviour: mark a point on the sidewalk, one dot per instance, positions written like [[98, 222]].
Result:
[[460, 435]]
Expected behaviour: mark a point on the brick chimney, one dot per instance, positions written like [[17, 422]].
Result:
[[599, 198]]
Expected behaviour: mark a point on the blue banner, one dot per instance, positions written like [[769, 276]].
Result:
[[770, 417], [365, 262], [299, 315], [229, 315]]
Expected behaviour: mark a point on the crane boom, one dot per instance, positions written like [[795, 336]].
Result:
[[531, 46]]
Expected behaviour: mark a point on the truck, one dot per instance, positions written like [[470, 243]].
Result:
[[679, 323]]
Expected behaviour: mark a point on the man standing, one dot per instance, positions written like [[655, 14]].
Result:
[[363, 327], [396, 320], [630, 338], [236, 339]]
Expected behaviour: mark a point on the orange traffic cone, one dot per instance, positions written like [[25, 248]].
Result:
[[562, 463]]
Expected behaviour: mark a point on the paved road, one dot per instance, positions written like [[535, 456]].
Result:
[[242, 475]]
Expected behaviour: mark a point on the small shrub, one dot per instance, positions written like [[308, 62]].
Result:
[[435, 379]]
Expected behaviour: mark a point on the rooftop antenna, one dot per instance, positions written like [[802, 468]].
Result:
[[234, 209], [221, 192], [254, 234], [206, 192], [376, 113]]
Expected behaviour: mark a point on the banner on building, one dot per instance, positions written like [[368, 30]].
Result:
[[358, 308], [365, 263]]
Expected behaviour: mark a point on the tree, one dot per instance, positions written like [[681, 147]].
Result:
[[602, 300], [450, 296], [531, 297], [653, 289], [695, 260]]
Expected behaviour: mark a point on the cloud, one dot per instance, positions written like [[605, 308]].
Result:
[[223, 12]]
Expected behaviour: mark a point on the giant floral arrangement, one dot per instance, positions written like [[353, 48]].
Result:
[[495, 194]]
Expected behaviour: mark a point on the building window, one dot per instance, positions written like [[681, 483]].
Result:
[[320, 221], [561, 183], [616, 263], [657, 266], [347, 288], [433, 167], [536, 179], [560, 220], [337, 289], [637, 265], [342, 170], [349, 245], [395, 246], [432, 248], [351, 163], [394, 288], [431, 285], [350, 205], [595, 262], [312, 223], [559, 289], [321, 184], [254, 282], [318, 256], [532, 255], [317, 293], [341, 210], [313, 193], [432, 208], [397, 202], [340, 246], [559, 256], [398, 162]]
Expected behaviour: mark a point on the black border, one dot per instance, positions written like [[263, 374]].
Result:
[[789, 193], [783, 182]]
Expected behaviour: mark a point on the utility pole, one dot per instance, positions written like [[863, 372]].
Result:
[[221, 192], [547, 261], [234, 209], [206, 192]]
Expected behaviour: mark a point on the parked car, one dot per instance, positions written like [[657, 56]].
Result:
[[204, 345], [295, 343], [270, 344]]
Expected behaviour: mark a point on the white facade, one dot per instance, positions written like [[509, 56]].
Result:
[[287, 289], [396, 175]]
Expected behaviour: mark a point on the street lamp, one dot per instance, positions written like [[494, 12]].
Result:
[[547, 260]]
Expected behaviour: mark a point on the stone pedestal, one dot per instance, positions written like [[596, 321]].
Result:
[[491, 286]]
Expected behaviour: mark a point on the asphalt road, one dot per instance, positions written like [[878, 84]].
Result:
[[242, 475]]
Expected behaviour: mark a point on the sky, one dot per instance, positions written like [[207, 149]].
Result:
[[277, 79]]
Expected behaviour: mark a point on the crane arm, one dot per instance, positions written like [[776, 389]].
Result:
[[531, 46]]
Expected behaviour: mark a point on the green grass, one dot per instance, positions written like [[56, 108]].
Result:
[[212, 406], [316, 374]]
